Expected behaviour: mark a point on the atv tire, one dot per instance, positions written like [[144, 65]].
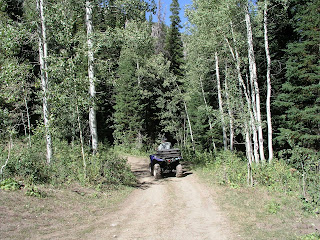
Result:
[[179, 172], [151, 169], [156, 171]]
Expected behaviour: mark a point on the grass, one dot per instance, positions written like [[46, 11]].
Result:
[[262, 214], [65, 212]]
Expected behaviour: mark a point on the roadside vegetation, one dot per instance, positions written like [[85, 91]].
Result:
[[81, 82], [64, 198], [104, 170], [281, 203]]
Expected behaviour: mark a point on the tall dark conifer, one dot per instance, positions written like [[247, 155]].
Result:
[[174, 43], [300, 93]]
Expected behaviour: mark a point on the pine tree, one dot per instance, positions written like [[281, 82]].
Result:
[[300, 99], [174, 44], [128, 119]]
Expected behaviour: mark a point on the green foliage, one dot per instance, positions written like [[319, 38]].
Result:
[[230, 168], [310, 236], [28, 164], [299, 98], [9, 184], [33, 191], [198, 158], [128, 108], [225, 167], [174, 45], [131, 88], [109, 170], [272, 207], [305, 163], [105, 168], [277, 176]]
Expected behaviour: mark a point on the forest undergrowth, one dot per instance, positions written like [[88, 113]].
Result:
[[26, 166], [282, 203]]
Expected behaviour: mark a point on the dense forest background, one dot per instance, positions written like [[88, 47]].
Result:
[[77, 77]]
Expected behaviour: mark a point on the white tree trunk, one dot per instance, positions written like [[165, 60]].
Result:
[[236, 58], [253, 78], [43, 54], [8, 158], [221, 103], [92, 90], [248, 144], [268, 103], [81, 142], [229, 110], [189, 123], [28, 120], [188, 119], [206, 104]]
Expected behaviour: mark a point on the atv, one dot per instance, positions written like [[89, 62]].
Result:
[[165, 161]]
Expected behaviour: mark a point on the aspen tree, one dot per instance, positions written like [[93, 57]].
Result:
[[254, 80], [43, 54], [229, 110], [225, 144], [268, 101], [92, 90], [235, 56], [206, 104]]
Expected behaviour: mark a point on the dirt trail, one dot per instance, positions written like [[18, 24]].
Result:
[[169, 208]]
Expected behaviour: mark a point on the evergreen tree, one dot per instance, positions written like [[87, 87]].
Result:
[[127, 117], [174, 44], [300, 99], [16, 71], [131, 98]]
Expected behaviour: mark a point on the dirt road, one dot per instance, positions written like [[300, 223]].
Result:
[[169, 208]]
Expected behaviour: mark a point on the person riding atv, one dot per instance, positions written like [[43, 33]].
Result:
[[165, 160], [164, 144]]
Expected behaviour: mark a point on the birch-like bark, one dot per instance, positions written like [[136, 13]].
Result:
[[236, 59], [28, 120], [188, 119], [268, 103], [206, 104], [81, 142], [229, 111], [221, 103], [253, 78], [253, 121], [185, 130], [43, 54], [8, 158], [249, 155], [189, 123], [92, 90]]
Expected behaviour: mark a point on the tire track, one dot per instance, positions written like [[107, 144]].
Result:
[[169, 208]]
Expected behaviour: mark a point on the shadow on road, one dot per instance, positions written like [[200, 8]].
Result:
[[145, 180]]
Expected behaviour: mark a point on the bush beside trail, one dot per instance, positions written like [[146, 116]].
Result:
[[282, 203], [105, 169], [231, 168]]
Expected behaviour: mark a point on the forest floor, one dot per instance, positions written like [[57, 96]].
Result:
[[169, 208]]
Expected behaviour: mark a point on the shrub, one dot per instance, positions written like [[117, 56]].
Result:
[[277, 176], [33, 191], [29, 164], [225, 167], [108, 169], [9, 185], [230, 168]]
